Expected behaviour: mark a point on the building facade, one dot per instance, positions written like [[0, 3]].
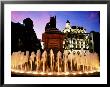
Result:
[[73, 38], [77, 39]]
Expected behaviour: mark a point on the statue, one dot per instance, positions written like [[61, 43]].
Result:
[[51, 24], [47, 26]]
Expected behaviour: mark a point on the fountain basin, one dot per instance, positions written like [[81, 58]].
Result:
[[16, 73]]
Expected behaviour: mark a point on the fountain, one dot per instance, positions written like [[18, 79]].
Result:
[[51, 60], [44, 58], [58, 64], [71, 59], [37, 62], [64, 64], [32, 59], [65, 57]]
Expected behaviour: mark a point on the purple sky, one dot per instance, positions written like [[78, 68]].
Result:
[[87, 19]]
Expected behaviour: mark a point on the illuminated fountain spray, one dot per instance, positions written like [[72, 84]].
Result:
[[37, 62], [13, 57], [26, 57], [51, 60], [21, 60], [32, 59], [59, 54], [71, 58], [44, 58], [77, 62], [65, 63], [65, 56]]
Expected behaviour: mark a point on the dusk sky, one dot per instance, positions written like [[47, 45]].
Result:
[[87, 19]]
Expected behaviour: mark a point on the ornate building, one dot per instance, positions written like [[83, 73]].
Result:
[[76, 38]]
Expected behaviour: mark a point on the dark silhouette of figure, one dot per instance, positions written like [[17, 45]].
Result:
[[53, 22], [23, 37], [47, 27], [51, 25], [28, 23]]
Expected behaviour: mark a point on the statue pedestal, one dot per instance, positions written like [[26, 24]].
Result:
[[53, 39]]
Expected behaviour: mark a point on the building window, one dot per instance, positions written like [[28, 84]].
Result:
[[78, 44], [81, 44]]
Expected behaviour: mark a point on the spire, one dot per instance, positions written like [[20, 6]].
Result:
[[67, 21], [68, 25]]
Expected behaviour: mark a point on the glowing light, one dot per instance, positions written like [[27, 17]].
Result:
[[66, 73], [42, 73], [74, 73], [86, 72], [88, 63], [29, 72], [58, 73], [49, 73], [80, 73], [34, 73]]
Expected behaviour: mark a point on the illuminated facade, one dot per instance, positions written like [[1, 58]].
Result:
[[76, 38]]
